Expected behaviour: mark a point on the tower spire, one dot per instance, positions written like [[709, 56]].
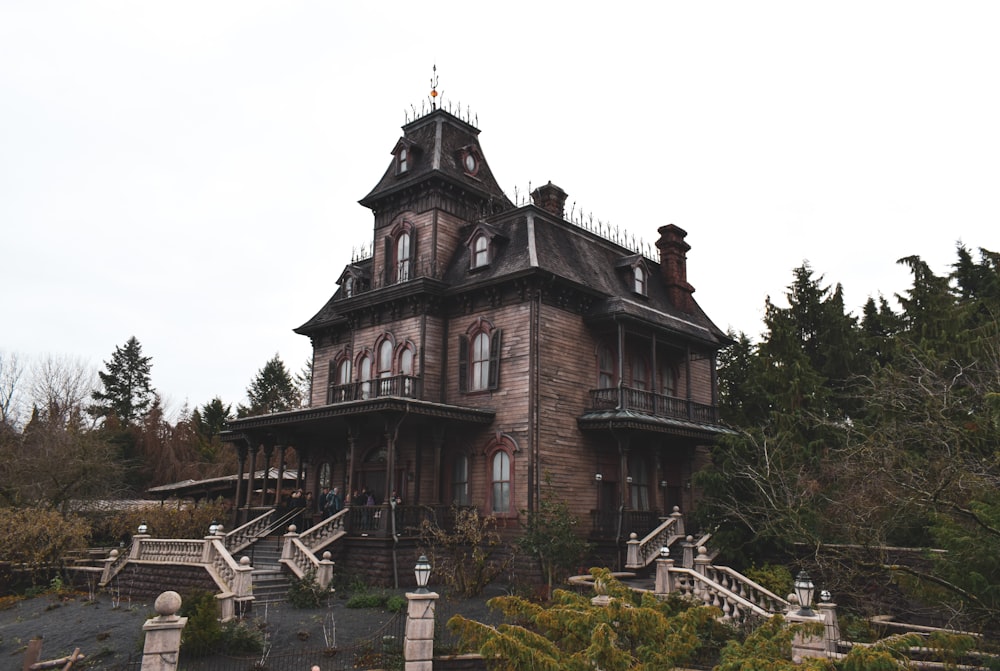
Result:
[[434, 84]]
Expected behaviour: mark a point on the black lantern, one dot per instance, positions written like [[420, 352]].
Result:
[[423, 572], [804, 589]]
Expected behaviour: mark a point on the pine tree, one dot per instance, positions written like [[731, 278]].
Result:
[[127, 393], [272, 390]]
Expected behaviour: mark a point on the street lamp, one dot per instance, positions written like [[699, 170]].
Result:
[[804, 588], [143, 527], [664, 552], [423, 572], [214, 528]]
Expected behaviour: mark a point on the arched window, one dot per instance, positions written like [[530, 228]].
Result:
[[639, 487], [639, 276], [384, 372], [480, 252], [340, 380], [500, 478], [406, 369], [479, 358], [606, 378], [460, 480], [365, 376], [403, 257]]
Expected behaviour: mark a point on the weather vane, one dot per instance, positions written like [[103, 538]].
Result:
[[434, 84]]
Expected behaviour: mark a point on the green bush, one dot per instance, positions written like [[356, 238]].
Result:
[[305, 592], [773, 577], [241, 638], [203, 633], [393, 603], [166, 521]]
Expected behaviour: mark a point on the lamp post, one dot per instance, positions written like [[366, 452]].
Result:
[[143, 528], [423, 573], [214, 528], [804, 589]]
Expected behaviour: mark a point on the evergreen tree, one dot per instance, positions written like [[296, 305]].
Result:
[[127, 392], [272, 390]]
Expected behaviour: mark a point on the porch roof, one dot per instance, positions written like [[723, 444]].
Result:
[[328, 416], [632, 419]]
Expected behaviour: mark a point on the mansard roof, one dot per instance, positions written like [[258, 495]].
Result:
[[537, 241], [438, 144]]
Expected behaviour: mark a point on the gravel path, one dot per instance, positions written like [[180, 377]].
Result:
[[113, 632]]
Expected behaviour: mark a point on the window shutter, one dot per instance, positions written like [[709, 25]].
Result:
[[389, 267], [494, 381], [463, 363]]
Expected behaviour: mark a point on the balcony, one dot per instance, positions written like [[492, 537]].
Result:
[[400, 386], [651, 403]]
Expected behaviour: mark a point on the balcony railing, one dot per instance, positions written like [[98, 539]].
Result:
[[659, 405], [406, 386]]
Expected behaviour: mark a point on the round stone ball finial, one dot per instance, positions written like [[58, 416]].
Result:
[[167, 604], [327, 556], [632, 536], [292, 528], [244, 561], [113, 554]]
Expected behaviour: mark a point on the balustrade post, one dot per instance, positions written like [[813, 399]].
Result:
[[632, 552], [243, 583], [664, 581], [108, 563], [701, 562], [679, 523], [136, 551], [324, 575], [688, 557], [163, 634], [287, 552], [828, 610]]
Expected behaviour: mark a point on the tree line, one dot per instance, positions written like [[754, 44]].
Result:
[[858, 437], [69, 433]]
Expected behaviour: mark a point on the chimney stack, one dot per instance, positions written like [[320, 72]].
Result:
[[673, 263], [551, 199]]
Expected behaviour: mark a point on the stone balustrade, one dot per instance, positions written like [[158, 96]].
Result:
[[241, 537], [301, 560], [325, 532], [641, 553]]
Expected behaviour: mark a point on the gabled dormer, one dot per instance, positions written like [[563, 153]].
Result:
[[407, 156], [482, 244], [354, 280], [635, 273]]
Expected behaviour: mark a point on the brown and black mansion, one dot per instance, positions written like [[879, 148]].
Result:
[[486, 348]]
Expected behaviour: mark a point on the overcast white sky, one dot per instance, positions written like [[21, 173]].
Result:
[[188, 172]]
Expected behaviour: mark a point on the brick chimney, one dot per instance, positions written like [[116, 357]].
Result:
[[551, 199], [673, 263]]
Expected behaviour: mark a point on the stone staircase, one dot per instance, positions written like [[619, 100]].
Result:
[[270, 583]]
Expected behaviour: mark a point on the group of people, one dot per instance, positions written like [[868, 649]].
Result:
[[329, 503]]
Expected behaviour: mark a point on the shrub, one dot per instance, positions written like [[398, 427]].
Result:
[[773, 577], [240, 638], [203, 633], [40, 538], [470, 554], [305, 592], [166, 521], [393, 603]]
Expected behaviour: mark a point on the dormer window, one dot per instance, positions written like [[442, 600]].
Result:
[[349, 286], [480, 251], [482, 244], [639, 280], [353, 281], [403, 160], [400, 258], [634, 273]]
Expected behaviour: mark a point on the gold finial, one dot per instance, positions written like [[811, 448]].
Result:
[[434, 84]]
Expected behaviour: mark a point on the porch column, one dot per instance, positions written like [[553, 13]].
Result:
[[281, 474], [438, 437], [350, 466], [253, 472], [687, 374], [621, 367], [241, 458], [268, 453]]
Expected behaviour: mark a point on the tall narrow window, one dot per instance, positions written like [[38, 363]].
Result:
[[385, 367], [479, 358], [406, 370], [501, 482], [348, 286], [340, 381], [403, 160], [365, 377], [668, 380], [640, 373], [460, 481], [639, 275], [639, 487], [606, 368], [403, 257]]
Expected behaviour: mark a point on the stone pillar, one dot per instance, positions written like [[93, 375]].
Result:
[[163, 634], [418, 645], [632, 551], [687, 559], [810, 643], [324, 576], [664, 581], [828, 610], [679, 524], [702, 561]]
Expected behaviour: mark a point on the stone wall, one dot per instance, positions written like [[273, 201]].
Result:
[[147, 581]]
